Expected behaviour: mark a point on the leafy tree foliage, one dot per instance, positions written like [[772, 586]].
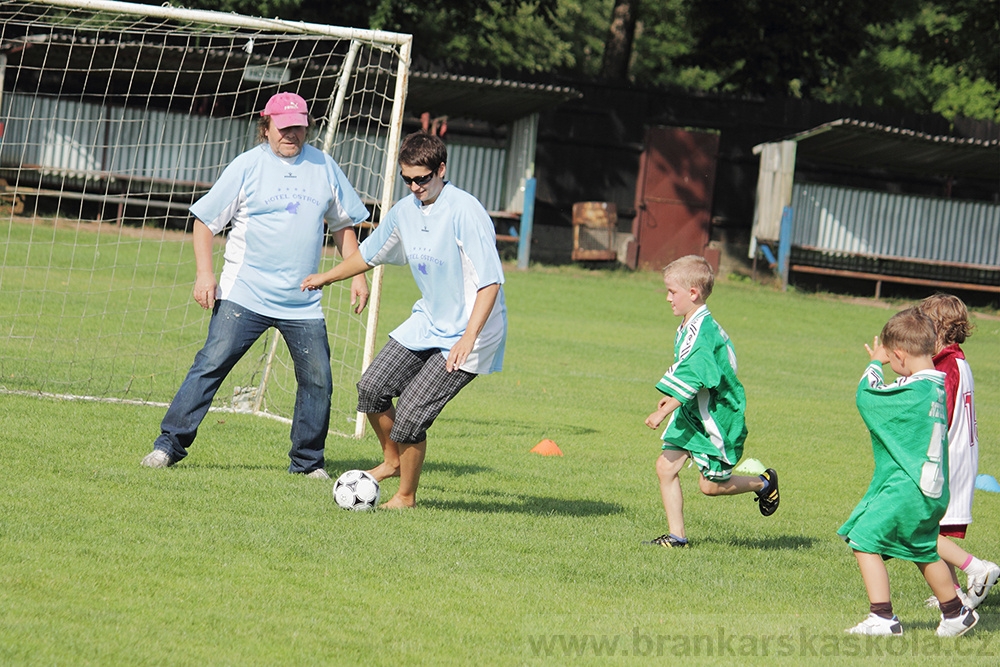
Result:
[[502, 34], [663, 42], [939, 57], [926, 56], [777, 47], [506, 36], [921, 55]]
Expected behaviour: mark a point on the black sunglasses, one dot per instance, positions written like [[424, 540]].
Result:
[[419, 180]]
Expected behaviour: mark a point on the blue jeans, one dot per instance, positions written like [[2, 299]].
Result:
[[232, 331]]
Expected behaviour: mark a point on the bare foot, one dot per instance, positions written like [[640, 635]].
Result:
[[384, 471], [398, 502]]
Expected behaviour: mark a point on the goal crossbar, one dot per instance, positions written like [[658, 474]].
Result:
[[236, 20]]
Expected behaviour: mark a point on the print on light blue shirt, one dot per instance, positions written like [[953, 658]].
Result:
[[277, 209], [452, 254]]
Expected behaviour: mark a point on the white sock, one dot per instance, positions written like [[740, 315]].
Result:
[[975, 565]]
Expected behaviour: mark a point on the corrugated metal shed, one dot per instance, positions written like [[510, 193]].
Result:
[[70, 143], [862, 222], [879, 235], [212, 73], [215, 69], [493, 100], [863, 144]]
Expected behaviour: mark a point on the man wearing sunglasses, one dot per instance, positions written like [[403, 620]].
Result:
[[457, 330]]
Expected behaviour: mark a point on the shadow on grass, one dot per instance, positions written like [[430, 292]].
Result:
[[191, 465], [987, 624], [336, 467], [457, 469], [453, 469], [533, 505], [989, 620], [991, 605], [520, 428], [779, 543]]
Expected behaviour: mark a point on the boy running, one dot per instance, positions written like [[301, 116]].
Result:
[[705, 402]]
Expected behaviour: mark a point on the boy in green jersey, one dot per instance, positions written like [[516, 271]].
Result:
[[705, 403], [899, 514]]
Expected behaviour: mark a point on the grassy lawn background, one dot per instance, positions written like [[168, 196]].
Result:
[[511, 558]]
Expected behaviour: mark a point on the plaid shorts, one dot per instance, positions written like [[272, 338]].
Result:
[[418, 379]]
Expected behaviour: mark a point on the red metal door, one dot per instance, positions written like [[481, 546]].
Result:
[[673, 199]]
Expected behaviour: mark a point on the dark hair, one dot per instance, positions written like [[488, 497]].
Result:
[[950, 317], [911, 331], [423, 150], [264, 124]]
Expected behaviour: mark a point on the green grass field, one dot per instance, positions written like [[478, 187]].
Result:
[[106, 311], [511, 558]]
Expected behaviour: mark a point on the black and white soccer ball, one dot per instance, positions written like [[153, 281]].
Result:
[[356, 490]]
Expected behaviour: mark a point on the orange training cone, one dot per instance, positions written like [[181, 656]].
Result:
[[547, 448]]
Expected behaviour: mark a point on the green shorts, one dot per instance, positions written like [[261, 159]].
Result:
[[716, 457], [711, 468]]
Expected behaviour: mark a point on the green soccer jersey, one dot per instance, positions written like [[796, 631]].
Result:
[[899, 514], [710, 423]]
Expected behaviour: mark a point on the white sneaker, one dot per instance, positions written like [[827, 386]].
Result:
[[932, 601], [318, 473], [982, 575], [876, 625], [157, 459], [954, 627]]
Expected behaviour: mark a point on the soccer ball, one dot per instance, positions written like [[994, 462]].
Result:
[[356, 490]]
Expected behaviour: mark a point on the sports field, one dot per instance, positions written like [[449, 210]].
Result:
[[511, 558]]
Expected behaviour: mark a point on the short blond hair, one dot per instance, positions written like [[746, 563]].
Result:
[[950, 317], [692, 271], [911, 331]]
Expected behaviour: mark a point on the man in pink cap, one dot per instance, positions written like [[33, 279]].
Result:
[[286, 109], [283, 124], [276, 197]]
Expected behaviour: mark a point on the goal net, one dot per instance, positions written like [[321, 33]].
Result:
[[114, 118]]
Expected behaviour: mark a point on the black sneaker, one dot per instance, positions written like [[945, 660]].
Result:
[[669, 541], [768, 500]]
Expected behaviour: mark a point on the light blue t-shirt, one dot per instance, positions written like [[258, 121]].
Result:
[[276, 207], [451, 249]]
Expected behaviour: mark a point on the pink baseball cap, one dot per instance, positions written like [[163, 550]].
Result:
[[286, 110]]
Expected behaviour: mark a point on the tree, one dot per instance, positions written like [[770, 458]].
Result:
[[499, 34], [618, 48], [938, 57], [778, 47], [927, 56], [663, 40]]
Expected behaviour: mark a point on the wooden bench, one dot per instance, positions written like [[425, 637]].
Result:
[[9, 197], [32, 177], [507, 217], [950, 272]]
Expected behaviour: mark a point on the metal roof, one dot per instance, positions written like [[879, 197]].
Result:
[[493, 100], [215, 69], [864, 144]]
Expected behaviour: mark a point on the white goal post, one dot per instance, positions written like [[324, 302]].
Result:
[[114, 118]]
